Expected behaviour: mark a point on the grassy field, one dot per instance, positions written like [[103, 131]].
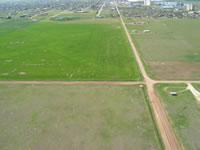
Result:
[[50, 50], [53, 12], [75, 117], [197, 86], [70, 16], [89, 14], [171, 44], [184, 114], [3, 14]]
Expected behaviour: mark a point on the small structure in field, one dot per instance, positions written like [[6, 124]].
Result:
[[134, 31], [167, 7], [138, 23], [9, 17], [146, 31], [173, 93], [99, 16], [34, 20]]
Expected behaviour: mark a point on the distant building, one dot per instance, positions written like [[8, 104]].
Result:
[[146, 31], [190, 7], [34, 20], [147, 2], [24, 16], [166, 3], [167, 7], [135, 1], [9, 17], [135, 4], [180, 4], [138, 22], [173, 93], [134, 31], [99, 16]]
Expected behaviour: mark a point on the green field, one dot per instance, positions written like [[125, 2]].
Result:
[[50, 50], [71, 16], [183, 112], [197, 86], [171, 44], [89, 14], [75, 117]]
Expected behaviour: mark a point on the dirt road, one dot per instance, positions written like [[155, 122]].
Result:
[[100, 10], [163, 124], [75, 82], [194, 92]]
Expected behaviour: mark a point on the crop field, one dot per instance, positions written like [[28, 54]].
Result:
[[183, 112], [87, 117], [171, 44], [52, 50]]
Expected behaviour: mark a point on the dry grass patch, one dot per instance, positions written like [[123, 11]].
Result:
[[175, 70]]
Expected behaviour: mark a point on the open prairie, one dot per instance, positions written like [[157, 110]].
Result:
[[86, 117], [183, 112], [49, 50], [170, 45]]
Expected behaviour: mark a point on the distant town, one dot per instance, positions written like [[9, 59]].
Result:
[[142, 8], [159, 8]]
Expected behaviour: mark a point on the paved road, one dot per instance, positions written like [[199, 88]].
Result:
[[100, 10], [163, 124]]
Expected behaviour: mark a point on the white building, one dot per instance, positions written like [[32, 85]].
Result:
[[146, 31], [190, 7], [147, 2]]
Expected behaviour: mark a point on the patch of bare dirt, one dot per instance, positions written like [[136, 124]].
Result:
[[22, 73], [175, 70], [165, 89]]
